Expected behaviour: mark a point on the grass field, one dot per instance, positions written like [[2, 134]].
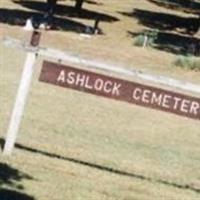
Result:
[[72, 145]]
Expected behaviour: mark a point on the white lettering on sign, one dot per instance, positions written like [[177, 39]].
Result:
[[87, 85], [108, 87], [98, 84], [137, 93], [156, 98], [166, 101], [195, 108], [185, 106], [61, 77], [114, 88], [176, 103], [145, 96], [70, 78]]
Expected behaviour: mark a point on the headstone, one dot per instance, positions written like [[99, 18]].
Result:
[[29, 25]]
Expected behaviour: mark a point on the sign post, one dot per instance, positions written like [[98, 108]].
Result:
[[98, 84], [22, 95]]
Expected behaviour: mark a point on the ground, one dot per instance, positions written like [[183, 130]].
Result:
[[72, 145]]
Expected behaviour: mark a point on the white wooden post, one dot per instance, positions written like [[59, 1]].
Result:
[[20, 102]]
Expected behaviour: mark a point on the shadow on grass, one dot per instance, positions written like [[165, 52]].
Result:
[[175, 33], [6, 194], [174, 43], [94, 2], [19, 17], [189, 6], [102, 168], [165, 21], [68, 11], [10, 177]]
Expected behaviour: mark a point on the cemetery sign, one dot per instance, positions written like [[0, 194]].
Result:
[[123, 90]]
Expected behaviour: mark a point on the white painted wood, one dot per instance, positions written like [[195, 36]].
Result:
[[20, 102], [66, 56], [166, 81]]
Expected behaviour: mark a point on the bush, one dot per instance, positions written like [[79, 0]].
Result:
[[150, 36], [188, 62], [139, 40]]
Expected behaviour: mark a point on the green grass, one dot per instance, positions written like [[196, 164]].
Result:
[[151, 36], [188, 62]]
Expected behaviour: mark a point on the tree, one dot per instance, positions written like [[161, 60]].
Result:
[[78, 5]]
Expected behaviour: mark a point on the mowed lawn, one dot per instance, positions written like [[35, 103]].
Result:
[[79, 146], [75, 146]]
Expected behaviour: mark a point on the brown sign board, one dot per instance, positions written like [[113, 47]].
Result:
[[123, 90]]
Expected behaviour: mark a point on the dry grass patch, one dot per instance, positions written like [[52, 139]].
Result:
[[77, 144]]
